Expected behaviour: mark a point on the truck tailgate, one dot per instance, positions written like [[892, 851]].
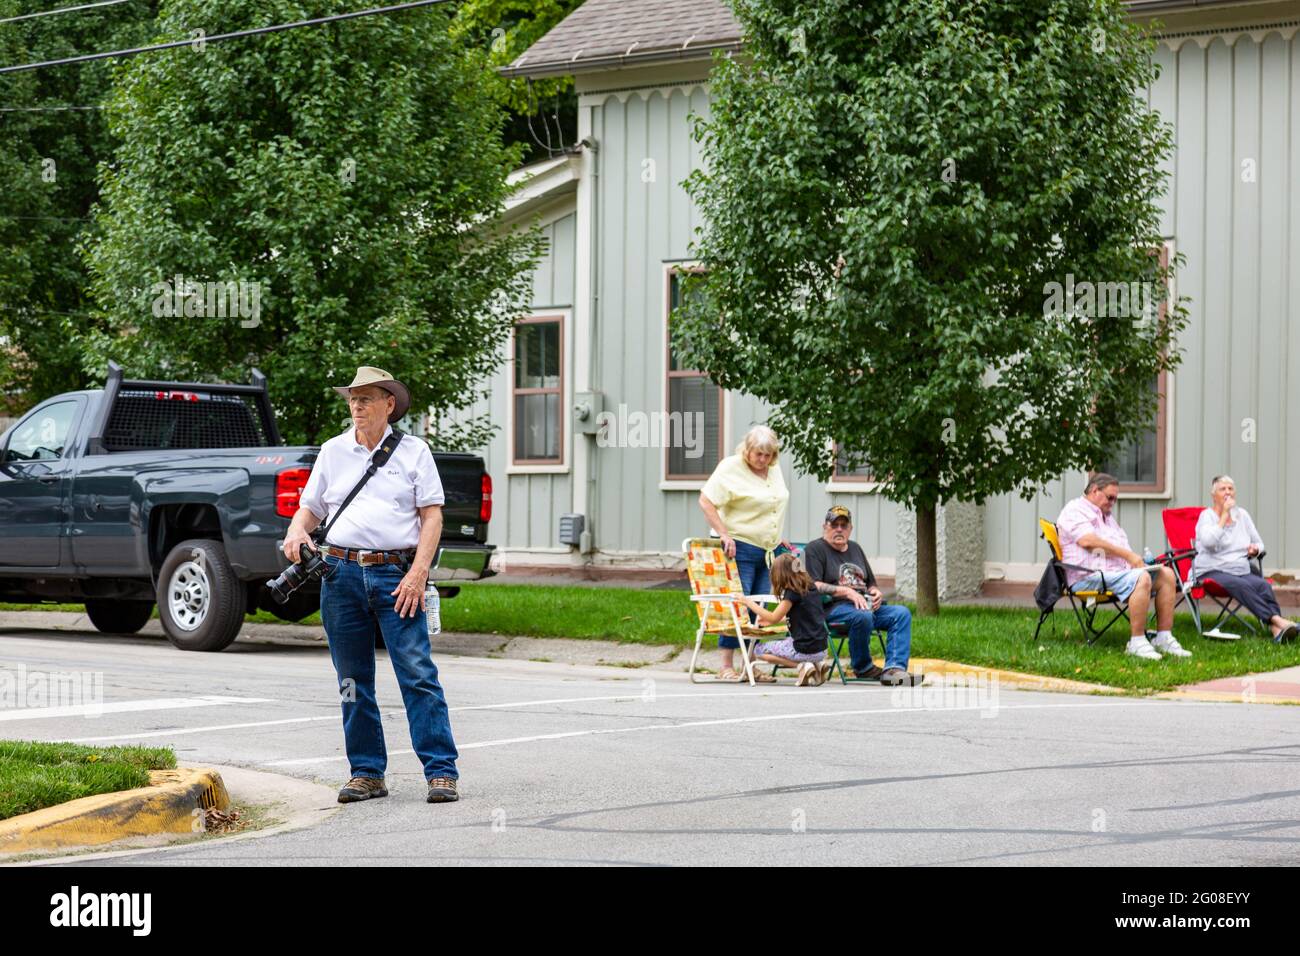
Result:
[[462, 481]]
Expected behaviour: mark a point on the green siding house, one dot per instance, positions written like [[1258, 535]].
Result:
[[590, 394]]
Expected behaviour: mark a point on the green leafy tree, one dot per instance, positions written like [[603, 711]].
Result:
[[52, 136], [890, 190], [539, 109], [348, 175]]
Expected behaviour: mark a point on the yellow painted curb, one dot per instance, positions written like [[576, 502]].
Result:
[[1061, 684], [170, 804], [1013, 678]]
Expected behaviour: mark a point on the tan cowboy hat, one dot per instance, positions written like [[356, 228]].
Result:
[[369, 375]]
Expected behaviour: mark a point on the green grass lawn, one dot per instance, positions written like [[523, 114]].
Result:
[[34, 775], [986, 636]]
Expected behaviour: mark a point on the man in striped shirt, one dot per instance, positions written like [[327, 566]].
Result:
[[1092, 539]]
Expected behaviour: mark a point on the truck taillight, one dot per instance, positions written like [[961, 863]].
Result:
[[485, 506], [179, 396], [288, 490]]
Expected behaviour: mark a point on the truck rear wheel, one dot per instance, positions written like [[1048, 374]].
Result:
[[118, 617], [200, 601]]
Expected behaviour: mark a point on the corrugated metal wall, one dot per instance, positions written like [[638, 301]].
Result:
[[641, 226], [1241, 357], [527, 508], [644, 219], [1228, 104]]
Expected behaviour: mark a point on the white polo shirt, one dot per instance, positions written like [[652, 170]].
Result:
[[383, 516]]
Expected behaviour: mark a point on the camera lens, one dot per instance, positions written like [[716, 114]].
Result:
[[295, 575]]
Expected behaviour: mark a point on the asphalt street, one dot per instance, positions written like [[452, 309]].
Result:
[[608, 765]]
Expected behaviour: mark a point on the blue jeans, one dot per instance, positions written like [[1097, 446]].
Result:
[[751, 562], [894, 618], [352, 599]]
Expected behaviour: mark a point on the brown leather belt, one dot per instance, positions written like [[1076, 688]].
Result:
[[363, 557]]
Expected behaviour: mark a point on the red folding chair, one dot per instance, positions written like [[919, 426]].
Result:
[[1180, 532]]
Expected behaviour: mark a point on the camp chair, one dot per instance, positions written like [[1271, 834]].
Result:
[[837, 635], [1087, 604], [716, 588], [1180, 532]]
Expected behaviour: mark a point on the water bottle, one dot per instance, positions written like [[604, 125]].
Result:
[[431, 610], [1147, 556]]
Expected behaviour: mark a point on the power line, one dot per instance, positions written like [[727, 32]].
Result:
[[222, 36], [47, 13], [45, 109], [32, 310], [47, 218]]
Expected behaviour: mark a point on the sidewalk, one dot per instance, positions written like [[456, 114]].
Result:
[[1279, 686]]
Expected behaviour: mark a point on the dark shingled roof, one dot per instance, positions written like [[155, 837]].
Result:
[[602, 34], [607, 34]]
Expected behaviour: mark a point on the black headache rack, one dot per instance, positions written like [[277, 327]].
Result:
[[140, 414]]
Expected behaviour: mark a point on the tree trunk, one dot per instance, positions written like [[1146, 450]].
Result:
[[927, 565]]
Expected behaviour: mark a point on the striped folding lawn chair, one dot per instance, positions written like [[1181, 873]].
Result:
[[716, 592]]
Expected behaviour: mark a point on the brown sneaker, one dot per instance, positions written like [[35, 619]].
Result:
[[362, 788], [442, 790]]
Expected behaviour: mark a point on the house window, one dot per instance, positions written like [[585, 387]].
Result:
[[1140, 466], [538, 390], [850, 468], [693, 433]]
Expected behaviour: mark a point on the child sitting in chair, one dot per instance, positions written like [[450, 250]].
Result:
[[805, 647]]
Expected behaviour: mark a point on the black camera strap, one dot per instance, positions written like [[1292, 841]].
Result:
[[377, 461]]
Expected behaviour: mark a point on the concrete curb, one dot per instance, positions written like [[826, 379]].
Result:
[[170, 804], [1016, 679], [1223, 697], [651, 657]]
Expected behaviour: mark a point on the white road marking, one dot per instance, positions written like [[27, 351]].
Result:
[[303, 720], [127, 707], [719, 722]]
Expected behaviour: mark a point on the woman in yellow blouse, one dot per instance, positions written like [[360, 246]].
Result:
[[744, 501]]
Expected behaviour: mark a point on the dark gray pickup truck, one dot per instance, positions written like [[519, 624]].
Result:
[[179, 494]]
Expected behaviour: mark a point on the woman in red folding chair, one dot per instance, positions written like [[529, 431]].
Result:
[[1226, 540]]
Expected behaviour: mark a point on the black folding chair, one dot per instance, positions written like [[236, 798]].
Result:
[[837, 636]]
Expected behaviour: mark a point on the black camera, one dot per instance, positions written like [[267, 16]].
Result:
[[295, 576]]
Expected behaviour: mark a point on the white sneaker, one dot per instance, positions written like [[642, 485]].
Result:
[[1170, 645], [1141, 647]]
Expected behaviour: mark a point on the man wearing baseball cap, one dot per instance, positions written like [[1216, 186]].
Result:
[[379, 551], [839, 567]]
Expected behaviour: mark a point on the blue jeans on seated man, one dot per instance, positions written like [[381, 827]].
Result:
[[751, 562], [897, 623], [352, 599]]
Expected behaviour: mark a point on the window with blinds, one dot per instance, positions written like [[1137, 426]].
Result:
[[694, 434], [537, 390]]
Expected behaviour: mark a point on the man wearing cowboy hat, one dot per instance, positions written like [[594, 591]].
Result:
[[379, 554]]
